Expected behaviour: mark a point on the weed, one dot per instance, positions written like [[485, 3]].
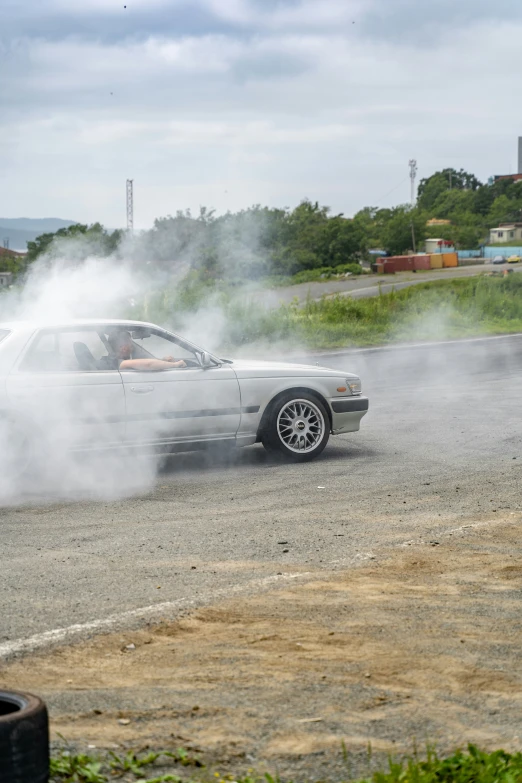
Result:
[[475, 766], [471, 766], [68, 767], [132, 762], [72, 768]]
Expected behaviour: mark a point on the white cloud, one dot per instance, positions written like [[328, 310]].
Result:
[[253, 134], [207, 54], [108, 7], [300, 105], [290, 16]]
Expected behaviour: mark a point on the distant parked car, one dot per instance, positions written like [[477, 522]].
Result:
[[499, 260], [513, 259]]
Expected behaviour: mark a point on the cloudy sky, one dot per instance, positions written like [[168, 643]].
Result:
[[226, 103]]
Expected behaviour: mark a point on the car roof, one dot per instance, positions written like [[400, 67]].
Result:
[[44, 324]]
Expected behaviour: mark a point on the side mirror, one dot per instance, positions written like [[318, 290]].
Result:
[[205, 360]]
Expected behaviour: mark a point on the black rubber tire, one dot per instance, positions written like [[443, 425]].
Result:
[[24, 739], [270, 437]]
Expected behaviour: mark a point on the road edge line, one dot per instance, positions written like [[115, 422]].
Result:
[[72, 632]]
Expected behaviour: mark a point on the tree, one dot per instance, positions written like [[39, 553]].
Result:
[[469, 235], [343, 241], [483, 199], [16, 264], [176, 241], [433, 187], [397, 233], [95, 240], [451, 204], [504, 210], [310, 239]]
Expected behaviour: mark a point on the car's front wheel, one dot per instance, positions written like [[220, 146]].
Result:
[[297, 427]]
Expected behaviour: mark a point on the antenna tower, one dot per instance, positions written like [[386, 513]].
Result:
[[6, 243], [413, 177], [130, 205]]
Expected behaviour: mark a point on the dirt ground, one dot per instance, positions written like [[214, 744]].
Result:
[[421, 644]]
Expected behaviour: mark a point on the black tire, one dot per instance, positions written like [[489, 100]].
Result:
[[298, 438], [24, 739]]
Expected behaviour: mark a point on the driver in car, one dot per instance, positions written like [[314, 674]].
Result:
[[123, 349]]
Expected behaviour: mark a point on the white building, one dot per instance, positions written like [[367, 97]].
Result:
[[439, 246], [505, 233], [6, 279]]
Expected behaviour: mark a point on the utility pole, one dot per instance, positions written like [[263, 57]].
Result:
[[130, 205], [413, 237], [413, 177]]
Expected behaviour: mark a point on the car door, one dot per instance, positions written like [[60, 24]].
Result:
[[180, 404], [57, 387]]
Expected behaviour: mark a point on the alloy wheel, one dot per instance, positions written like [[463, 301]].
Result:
[[300, 426]]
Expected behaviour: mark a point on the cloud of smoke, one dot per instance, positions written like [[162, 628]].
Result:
[[146, 279], [71, 420], [44, 414]]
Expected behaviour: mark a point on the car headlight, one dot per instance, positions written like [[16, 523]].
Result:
[[354, 386]]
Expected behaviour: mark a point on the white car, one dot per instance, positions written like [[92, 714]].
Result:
[[64, 386]]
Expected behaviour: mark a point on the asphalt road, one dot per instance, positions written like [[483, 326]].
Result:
[[441, 446], [366, 286]]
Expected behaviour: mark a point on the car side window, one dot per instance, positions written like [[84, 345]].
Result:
[[158, 346], [64, 351]]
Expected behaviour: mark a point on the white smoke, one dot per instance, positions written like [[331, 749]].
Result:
[[72, 281], [69, 284], [75, 283], [60, 291]]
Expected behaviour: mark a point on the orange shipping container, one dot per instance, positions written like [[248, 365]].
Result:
[[450, 259], [436, 261]]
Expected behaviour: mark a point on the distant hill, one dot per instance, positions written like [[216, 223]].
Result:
[[19, 231], [43, 225]]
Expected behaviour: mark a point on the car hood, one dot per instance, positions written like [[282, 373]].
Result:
[[246, 368]]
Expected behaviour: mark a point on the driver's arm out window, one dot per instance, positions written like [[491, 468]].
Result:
[[158, 346]]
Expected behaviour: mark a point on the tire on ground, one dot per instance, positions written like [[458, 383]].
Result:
[[24, 739], [317, 423]]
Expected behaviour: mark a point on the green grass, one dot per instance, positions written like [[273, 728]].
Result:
[[470, 766], [474, 766], [432, 310], [441, 309], [68, 767]]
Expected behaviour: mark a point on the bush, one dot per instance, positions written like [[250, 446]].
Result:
[[316, 275], [312, 275], [353, 268]]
